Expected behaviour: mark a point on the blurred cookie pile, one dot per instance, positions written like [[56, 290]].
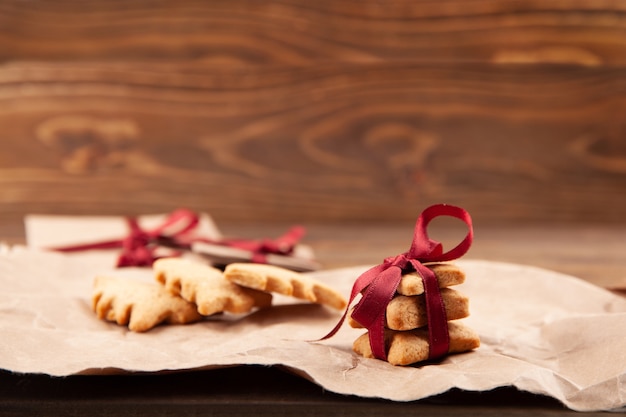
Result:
[[406, 319], [186, 291]]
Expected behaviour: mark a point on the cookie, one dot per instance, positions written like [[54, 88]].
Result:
[[140, 305], [447, 275], [284, 281], [409, 312], [206, 287], [409, 347]]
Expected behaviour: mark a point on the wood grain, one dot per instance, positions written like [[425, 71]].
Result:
[[298, 32], [333, 142], [316, 111]]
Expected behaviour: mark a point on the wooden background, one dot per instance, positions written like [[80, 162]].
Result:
[[315, 111]]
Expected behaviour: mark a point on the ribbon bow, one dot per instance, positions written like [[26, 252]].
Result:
[[378, 284], [176, 231], [139, 246]]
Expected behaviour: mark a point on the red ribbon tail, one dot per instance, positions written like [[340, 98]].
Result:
[[359, 285], [286, 243], [371, 310]]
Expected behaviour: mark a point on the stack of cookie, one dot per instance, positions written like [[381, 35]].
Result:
[[187, 291], [406, 332]]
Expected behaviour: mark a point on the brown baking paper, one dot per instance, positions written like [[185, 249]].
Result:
[[541, 332]]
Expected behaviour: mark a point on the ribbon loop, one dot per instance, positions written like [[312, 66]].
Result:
[[428, 250]]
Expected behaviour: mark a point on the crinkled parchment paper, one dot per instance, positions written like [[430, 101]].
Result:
[[541, 332]]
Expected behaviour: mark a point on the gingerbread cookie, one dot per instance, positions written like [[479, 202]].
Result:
[[409, 347], [140, 305], [283, 281], [447, 275], [206, 287], [409, 312]]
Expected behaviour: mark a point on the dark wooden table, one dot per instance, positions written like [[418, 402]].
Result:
[[592, 253]]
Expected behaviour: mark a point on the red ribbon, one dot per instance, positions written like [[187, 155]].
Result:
[[282, 245], [379, 284], [176, 231]]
